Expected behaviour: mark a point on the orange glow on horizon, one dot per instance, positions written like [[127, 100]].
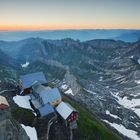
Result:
[[30, 15], [43, 27]]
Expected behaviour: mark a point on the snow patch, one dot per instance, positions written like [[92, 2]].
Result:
[[130, 104], [114, 116], [119, 78], [31, 132], [127, 132], [101, 78], [64, 87], [89, 91], [134, 124], [22, 101], [132, 56], [137, 81], [25, 65], [137, 111], [101, 98], [69, 91], [139, 61]]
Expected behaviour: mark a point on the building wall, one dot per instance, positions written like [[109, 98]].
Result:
[[27, 91], [56, 102], [73, 116], [3, 106]]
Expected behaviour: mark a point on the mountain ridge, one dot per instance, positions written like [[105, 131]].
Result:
[[106, 70], [82, 35]]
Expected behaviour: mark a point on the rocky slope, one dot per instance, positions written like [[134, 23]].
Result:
[[10, 129], [104, 75]]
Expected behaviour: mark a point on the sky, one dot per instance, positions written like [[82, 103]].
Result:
[[69, 14]]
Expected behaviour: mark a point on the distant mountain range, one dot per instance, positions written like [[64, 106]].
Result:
[[82, 35]]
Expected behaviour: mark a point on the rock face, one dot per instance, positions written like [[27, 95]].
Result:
[[5, 114], [72, 83], [10, 129]]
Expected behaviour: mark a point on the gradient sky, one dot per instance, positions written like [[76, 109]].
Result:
[[69, 14]]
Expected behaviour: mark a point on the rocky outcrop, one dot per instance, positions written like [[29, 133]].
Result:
[[5, 114], [11, 130], [72, 83]]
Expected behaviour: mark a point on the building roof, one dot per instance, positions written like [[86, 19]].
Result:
[[29, 79], [65, 109], [46, 109], [38, 88], [36, 103], [50, 95], [3, 100]]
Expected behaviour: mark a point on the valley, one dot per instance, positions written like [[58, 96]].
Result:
[[103, 75]]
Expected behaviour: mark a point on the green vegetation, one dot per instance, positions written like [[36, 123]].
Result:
[[138, 66], [6, 72], [50, 85], [22, 115], [89, 127]]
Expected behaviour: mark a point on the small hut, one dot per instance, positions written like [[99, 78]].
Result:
[[3, 103], [68, 114]]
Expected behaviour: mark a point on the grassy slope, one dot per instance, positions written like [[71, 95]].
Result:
[[23, 116], [89, 127]]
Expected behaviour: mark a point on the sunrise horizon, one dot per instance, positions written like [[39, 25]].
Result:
[[29, 28], [34, 15]]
